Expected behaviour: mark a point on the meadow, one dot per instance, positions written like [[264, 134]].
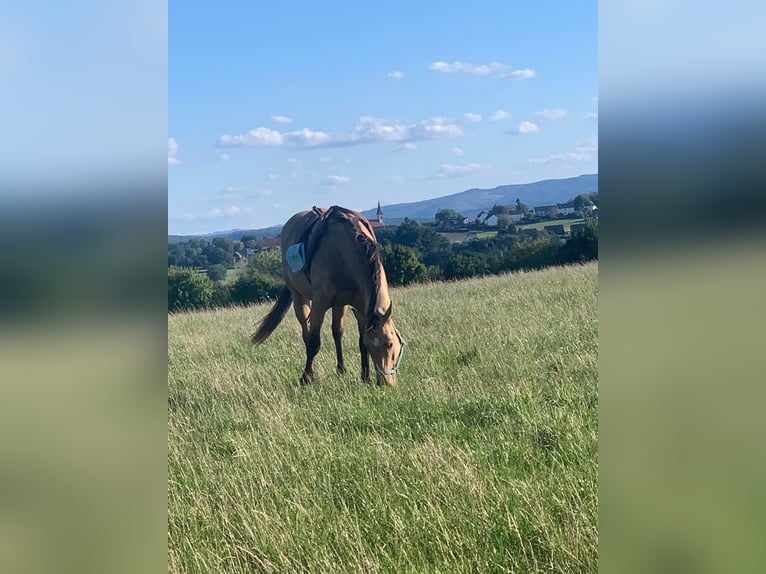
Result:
[[482, 459]]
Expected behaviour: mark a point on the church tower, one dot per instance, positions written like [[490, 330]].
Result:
[[379, 214]]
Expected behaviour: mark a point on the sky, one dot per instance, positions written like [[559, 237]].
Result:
[[274, 107]]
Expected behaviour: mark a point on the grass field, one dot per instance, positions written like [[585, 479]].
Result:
[[482, 459], [567, 223]]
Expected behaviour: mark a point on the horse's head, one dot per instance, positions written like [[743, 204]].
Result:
[[385, 345]]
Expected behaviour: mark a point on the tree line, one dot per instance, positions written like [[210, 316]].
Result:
[[411, 253]]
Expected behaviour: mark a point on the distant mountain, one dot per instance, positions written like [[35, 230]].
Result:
[[233, 234], [473, 201], [469, 203]]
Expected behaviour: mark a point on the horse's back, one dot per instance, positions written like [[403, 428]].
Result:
[[292, 232]]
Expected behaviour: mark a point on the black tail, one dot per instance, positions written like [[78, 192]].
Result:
[[274, 318]]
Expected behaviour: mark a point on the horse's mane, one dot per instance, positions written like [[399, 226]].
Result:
[[365, 239]]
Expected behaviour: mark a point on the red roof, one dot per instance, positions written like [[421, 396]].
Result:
[[270, 242]]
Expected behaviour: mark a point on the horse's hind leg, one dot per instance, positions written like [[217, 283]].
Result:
[[338, 312], [302, 313], [313, 341]]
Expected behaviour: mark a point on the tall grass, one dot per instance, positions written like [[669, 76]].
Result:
[[483, 459]]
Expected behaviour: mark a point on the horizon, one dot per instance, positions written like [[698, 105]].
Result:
[[383, 207], [455, 105]]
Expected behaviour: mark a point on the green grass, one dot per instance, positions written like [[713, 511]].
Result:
[[541, 225], [482, 459]]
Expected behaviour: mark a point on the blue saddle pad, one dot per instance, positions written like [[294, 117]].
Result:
[[296, 257]]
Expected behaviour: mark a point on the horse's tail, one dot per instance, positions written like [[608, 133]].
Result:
[[274, 318]]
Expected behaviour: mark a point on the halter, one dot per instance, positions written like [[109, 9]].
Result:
[[395, 370]]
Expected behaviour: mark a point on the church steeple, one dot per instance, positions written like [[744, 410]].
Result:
[[379, 213]]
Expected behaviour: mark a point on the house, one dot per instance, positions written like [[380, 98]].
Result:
[[566, 208], [555, 229], [378, 221], [546, 211], [491, 221], [270, 243]]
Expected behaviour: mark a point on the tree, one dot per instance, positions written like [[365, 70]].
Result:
[[255, 286], [188, 289], [522, 207], [216, 273], [448, 217], [581, 246], [402, 264], [504, 222], [582, 203], [268, 262], [461, 265]]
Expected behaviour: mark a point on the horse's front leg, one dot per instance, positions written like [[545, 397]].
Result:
[[338, 312], [363, 350], [313, 341]]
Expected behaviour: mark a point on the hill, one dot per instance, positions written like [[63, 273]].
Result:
[[469, 203], [484, 458], [472, 201]]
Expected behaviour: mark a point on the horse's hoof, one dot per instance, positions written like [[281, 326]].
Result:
[[341, 370], [307, 379]]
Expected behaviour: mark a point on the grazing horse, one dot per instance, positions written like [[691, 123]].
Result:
[[342, 267]]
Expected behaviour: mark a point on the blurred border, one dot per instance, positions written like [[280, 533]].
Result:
[[83, 340], [681, 279]]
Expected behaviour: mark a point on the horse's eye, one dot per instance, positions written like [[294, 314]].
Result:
[[390, 346]]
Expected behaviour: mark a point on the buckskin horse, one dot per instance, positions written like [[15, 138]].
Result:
[[330, 260]]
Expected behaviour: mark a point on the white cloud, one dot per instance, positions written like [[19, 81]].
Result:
[[172, 152], [258, 136], [450, 170], [523, 74], [458, 151], [473, 118], [560, 157], [227, 193], [584, 150], [281, 119], [224, 157], [366, 130], [396, 75], [336, 180], [524, 128], [215, 213], [259, 193], [589, 144], [466, 68], [499, 116], [591, 115], [307, 138], [407, 146], [552, 114]]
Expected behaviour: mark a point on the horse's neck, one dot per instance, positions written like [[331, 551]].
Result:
[[382, 298]]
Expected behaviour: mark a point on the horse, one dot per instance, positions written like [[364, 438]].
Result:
[[341, 267]]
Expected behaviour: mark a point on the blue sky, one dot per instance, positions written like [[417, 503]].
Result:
[[274, 107]]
